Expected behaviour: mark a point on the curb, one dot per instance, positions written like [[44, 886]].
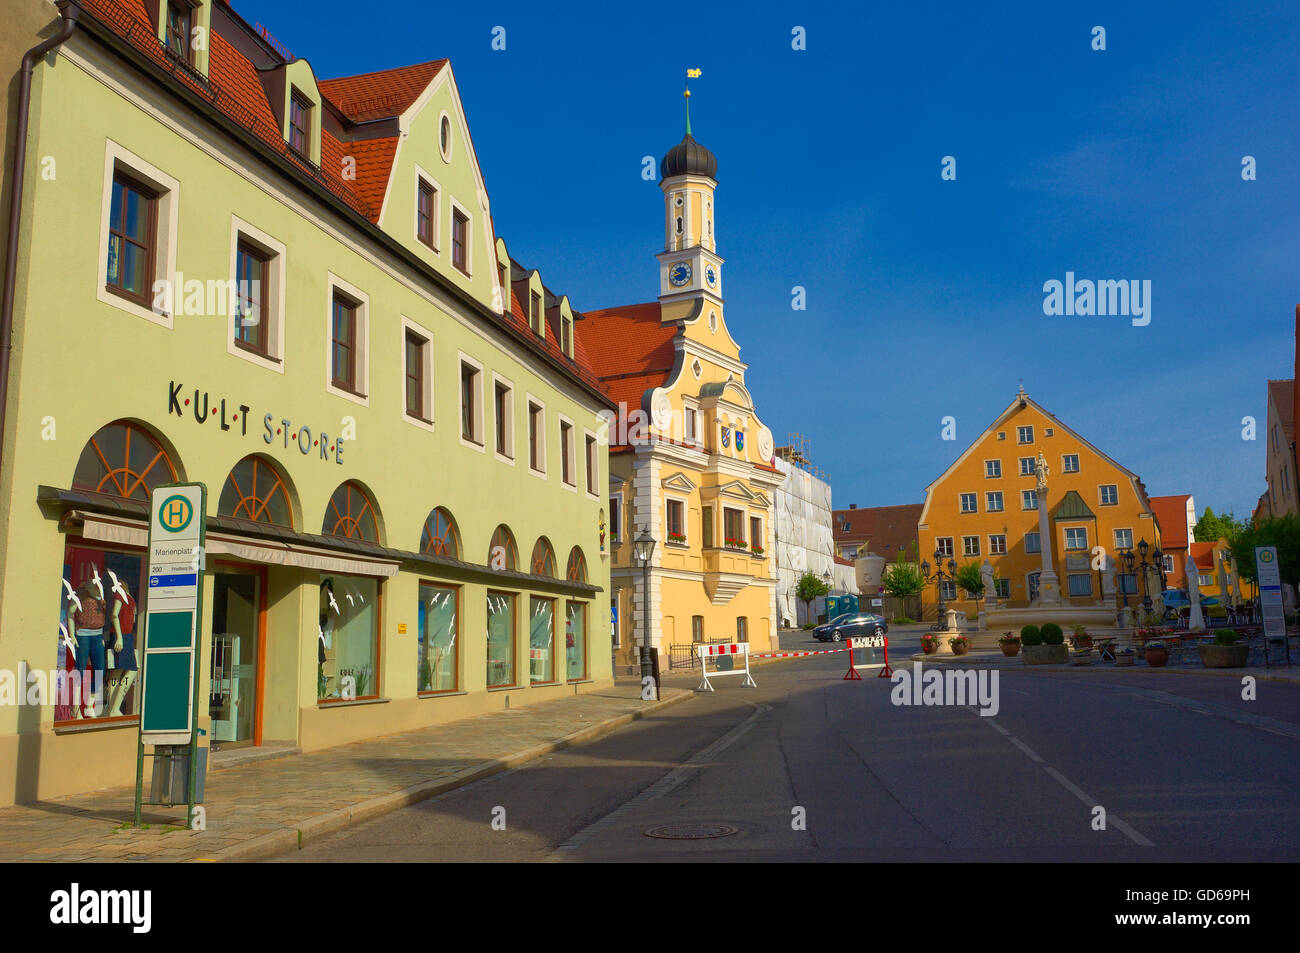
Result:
[[288, 839]]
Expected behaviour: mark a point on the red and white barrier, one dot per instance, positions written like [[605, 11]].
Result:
[[797, 654], [706, 652], [868, 642]]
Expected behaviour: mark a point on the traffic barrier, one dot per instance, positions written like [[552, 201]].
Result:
[[705, 652], [868, 642], [797, 654]]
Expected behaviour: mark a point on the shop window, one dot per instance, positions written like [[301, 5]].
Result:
[[541, 640], [348, 653], [97, 662], [575, 639], [439, 623], [576, 571], [351, 514], [123, 459], [440, 537], [543, 563], [254, 490], [500, 639], [502, 553]]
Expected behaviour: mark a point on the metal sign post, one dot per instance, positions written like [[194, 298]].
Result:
[[1270, 601], [169, 665]]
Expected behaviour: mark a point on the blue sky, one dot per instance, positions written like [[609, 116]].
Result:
[[924, 296]]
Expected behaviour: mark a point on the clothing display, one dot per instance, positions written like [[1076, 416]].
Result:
[[124, 658]]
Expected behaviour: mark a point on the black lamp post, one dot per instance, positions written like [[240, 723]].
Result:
[[1126, 561], [1145, 567], [643, 548], [940, 577]]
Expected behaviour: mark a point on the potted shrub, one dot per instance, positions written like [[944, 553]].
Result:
[[1157, 654], [1045, 646], [1010, 644], [929, 643], [1225, 652], [959, 644], [1080, 639]]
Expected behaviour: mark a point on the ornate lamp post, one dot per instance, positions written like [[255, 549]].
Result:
[[1143, 547], [940, 577], [643, 548], [1126, 562]]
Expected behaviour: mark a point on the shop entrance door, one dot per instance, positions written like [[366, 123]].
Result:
[[236, 636]]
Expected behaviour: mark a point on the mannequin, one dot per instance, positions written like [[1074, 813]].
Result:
[[87, 633], [123, 667]]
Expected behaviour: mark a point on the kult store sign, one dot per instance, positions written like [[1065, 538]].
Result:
[[229, 415]]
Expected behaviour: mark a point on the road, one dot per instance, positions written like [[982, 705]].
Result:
[[1183, 768]]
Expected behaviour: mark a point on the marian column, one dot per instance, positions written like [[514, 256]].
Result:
[[1049, 589]]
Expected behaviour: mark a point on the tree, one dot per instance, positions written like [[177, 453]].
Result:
[[969, 579], [1280, 531], [1214, 526], [903, 579], [810, 588]]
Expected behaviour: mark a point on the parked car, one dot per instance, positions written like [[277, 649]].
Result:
[[849, 625]]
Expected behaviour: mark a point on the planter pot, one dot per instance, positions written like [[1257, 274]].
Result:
[[1081, 656], [1083, 645], [930, 648], [1223, 656], [1046, 655], [1123, 659], [961, 648], [1009, 648], [1157, 657]]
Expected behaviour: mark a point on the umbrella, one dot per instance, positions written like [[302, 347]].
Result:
[[1209, 601], [1176, 599]]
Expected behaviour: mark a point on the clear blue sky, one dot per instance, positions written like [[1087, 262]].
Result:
[[924, 296]]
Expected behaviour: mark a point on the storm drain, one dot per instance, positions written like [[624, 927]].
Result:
[[691, 831]]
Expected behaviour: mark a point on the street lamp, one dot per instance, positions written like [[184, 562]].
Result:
[[643, 548], [1143, 547], [940, 577], [1126, 565]]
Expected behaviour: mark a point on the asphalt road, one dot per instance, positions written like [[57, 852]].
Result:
[[1182, 766]]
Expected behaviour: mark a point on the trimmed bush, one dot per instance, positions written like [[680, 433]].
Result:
[[1052, 634], [1225, 636], [1029, 635], [808, 625]]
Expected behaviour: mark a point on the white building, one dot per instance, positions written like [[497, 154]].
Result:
[[804, 541]]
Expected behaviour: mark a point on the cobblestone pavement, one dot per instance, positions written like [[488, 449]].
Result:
[[266, 807]]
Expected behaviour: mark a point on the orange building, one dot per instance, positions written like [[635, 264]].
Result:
[[1177, 518], [985, 507]]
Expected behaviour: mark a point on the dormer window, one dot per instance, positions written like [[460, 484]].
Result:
[[180, 25], [564, 334], [300, 124], [535, 313]]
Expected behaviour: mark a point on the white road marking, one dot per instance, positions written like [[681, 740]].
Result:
[[1111, 819], [1025, 748]]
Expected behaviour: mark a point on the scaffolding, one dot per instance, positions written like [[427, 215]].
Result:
[[805, 541]]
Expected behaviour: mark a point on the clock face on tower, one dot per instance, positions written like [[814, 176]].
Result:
[[680, 273], [711, 275]]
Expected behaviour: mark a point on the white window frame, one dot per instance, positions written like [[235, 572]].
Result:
[[1101, 494], [997, 464], [686, 515], [744, 523], [529, 401], [1076, 529], [334, 283], [1032, 466], [988, 501], [451, 137], [948, 590], [993, 549], [164, 265], [951, 547], [461, 360], [436, 211], [1118, 544], [762, 531], [1064, 466], [469, 239], [509, 456], [1024, 499], [1204, 580], [426, 399], [967, 549], [272, 298], [1170, 568], [568, 455], [961, 503], [1020, 430], [688, 408], [592, 450]]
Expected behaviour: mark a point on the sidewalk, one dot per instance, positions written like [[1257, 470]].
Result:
[[265, 808]]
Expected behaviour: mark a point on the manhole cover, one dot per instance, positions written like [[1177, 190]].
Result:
[[691, 831]]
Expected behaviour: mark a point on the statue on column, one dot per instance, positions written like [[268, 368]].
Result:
[[1041, 471]]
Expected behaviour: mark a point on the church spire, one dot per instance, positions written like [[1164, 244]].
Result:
[[690, 74]]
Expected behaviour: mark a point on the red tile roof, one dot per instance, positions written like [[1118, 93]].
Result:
[[379, 95], [630, 348], [887, 529], [1203, 554], [1171, 514]]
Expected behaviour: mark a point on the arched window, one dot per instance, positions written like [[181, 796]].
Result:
[[255, 490], [504, 541], [440, 536], [543, 558], [123, 459], [351, 514], [577, 568]]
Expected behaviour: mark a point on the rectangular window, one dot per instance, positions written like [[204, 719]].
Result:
[[500, 639], [343, 343], [460, 240], [132, 239], [1033, 543], [969, 503], [300, 124], [756, 533], [697, 628], [733, 527], [1109, 494], [1002, 587], [706, 525], [1027, 466], [575, 640], [948, 590], [993, 501], [993, 468], [742, 629], [616, 517], [1128, 583], [1029, 499], [438, 615], [349, 611], [566, 454], [970, 545], [675, 513], [1080, 584], [998, 544], [1076, 537], [536, 458], [416, 385], [503, 409], [691, 429], [593, 465], [564, 334], [1070, 463], [469, 376], [1025, 434], [180, 18], [541, 640], [1204, 580], [943, 546], [424, 213], [1169, 561], [535, 312], [250, 280], [1123, 539]]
